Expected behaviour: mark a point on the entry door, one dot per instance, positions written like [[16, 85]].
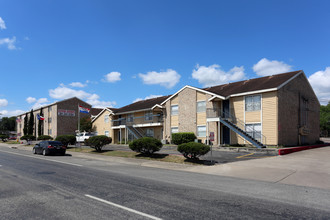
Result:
[[225, 108], [225, 135], [225, 129]]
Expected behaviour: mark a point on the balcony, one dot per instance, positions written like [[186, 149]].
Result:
[[142, 120]]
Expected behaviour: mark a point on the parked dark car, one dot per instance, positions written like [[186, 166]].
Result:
[[49, 147]]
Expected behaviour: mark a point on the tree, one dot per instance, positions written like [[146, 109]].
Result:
[[40, 124], [325, 118], [8, 124], [31, 123], [25, 129], [86, 124]]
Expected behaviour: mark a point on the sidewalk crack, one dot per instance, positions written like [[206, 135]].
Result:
[[286, 176]]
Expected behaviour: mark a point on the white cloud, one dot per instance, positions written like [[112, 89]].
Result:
[[6, 113], [31, 100], [63, 92], [40, 102], [112, 77], [3, 102], [266, 67], [147, 97], [78, 84], [320, 82], [9, 42], [2, 24], [213, 75], [168, 78]]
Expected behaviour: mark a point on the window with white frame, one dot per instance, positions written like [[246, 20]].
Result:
[[148, 116], [150, 132], [174, 110], [106, 118], [174, 130], [201, 106], [201, 131], [254, 130], [106, 133], [253, 103], [130, 117]]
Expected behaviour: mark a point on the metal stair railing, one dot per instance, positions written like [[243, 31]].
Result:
[[239, 127], [134, 131]]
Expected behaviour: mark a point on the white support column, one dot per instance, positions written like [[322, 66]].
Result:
[[119, 135], [126, 134]]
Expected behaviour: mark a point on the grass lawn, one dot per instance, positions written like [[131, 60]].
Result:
[[132, 154]]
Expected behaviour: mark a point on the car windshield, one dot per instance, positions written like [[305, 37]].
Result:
[[55, 143]]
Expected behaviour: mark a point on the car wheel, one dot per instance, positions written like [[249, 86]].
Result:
[[44, 152], [34, 151]]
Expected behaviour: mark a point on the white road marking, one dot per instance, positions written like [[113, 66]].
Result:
[[41, 158], [123, 207]]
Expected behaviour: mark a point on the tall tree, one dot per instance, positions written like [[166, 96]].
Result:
[[8, 124], [31, 123], [86, 124], [40, 124], [25, 129], [325, 118]]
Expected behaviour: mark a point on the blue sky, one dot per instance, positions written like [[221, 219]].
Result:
[[111, 53]]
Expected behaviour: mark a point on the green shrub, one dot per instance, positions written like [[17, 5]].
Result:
[[4, 137], [193, 150], [44, 138], [183, 137], [146, 145], [98, 142], [28, 138], [66, 139]]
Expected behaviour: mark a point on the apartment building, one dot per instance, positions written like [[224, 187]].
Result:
[[273, 110], [139, 119], [59, 118]]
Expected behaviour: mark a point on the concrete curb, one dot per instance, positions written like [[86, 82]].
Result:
[[290, 150]]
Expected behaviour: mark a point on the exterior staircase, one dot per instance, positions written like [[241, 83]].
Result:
[[239, 127], [137, 133]]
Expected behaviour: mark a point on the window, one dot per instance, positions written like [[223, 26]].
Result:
[[201, 131], [49, 131], [148, 116], [174, 110], [253, 103], [201, 106], [174, 130], [49, 120], [150, 132], [130, 118], [106, 133], [50, 108], [254, 130], [106, 119]]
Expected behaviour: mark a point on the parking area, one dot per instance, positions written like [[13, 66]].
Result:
[[218, 156]]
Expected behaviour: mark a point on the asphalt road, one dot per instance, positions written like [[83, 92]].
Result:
[[66, 187]]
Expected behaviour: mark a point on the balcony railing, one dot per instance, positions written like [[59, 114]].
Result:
[[158, 118]]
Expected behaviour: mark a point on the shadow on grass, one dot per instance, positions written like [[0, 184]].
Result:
[[155, 156], [201, 162]]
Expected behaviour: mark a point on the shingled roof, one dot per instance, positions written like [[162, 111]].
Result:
[[263, 83], [140, 105]]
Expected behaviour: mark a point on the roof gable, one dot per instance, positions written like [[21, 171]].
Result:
[[141, 105], [263, 84]]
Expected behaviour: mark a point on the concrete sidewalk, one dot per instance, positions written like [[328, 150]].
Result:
[[306, 168]]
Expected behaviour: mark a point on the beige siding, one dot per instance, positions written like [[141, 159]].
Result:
[[101, 126], [201, 118], [175, 100], [269, 117], [251, 117], [174, 121], [201, 96]]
